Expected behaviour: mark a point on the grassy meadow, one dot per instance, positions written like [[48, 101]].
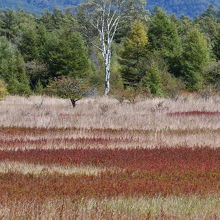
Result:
[[153, 159]]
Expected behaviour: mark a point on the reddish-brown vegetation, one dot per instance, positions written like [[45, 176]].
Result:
[[126, 184], [141, 151], [133, 159], [162, 171]]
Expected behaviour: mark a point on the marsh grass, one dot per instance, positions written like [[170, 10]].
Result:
[[181, 208], [150, 147], [145, 115]]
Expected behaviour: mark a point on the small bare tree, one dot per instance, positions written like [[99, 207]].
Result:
[[101, 18], [70, 88]]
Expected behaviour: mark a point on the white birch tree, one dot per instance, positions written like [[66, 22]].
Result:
[[102, 18]]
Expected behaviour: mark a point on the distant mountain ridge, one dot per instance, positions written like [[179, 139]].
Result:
[[179, 7], [37, 6], [190, 8]]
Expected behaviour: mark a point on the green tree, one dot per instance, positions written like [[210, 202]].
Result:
[[9, 24], [133, 54], [133, 14], [153, 81], [32, 39], [58, 19], [213, 74], [12, 69], [3, 90], [65, 54], [29, 44], [37, 72], [163, 35], [38, 88], [194, 60], [158, 80], [216, 48], [208, 26], [184, 24]]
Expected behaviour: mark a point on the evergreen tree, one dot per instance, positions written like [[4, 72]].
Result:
[[133, 14], [66, 54], [29, 45], [133, 54], [163, 35], [37, 72], [23, 81], [32, 40], [9, 24], [208, 26], [58, 20], [194, 60], [38, 88], [152, 81], [3, 90], [12, 69], [216, 48], [184, 24]]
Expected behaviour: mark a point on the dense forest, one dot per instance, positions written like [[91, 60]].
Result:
[[152, 54], [179, 7]]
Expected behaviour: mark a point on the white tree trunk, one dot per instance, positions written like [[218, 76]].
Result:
[[107, 72], [107, 25], [104, 16]]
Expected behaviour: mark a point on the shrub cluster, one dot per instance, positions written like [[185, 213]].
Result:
[[3, 90]]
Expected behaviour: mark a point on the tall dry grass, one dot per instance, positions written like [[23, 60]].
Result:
[[151, 114], [53, 158], [144, 124], [171, 208]]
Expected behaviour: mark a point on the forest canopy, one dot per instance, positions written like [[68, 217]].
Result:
[[151, 54]]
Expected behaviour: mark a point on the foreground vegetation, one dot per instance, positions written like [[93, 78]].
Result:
[[153, 159]]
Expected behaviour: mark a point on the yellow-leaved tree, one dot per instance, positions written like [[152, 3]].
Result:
[[133, 54], [3, 90]]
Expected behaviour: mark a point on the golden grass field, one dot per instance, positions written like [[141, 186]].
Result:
[[153, 159]]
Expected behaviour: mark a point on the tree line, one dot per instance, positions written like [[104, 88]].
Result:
[[64, 52]]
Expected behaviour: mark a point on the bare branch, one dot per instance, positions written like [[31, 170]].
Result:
[[106, 16]]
